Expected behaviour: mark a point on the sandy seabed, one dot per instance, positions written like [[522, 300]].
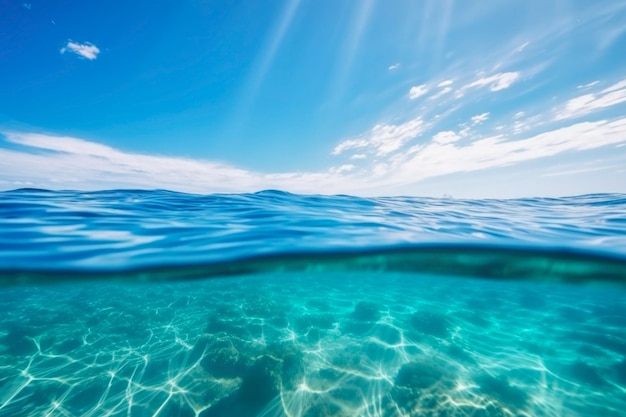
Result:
[[313, 344]]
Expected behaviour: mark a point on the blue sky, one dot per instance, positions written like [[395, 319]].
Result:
[[434, 97]]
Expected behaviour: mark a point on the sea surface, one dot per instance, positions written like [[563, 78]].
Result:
[[155, 303]]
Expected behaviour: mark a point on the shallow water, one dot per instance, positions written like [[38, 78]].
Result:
[[154, 303]]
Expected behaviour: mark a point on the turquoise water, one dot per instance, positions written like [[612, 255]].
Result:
[[152, 303]]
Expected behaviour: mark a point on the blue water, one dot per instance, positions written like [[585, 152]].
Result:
[[154, 303]]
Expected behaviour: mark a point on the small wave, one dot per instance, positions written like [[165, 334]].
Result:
[[135, 230]]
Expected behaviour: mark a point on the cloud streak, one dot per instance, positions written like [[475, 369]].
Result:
[[479, 118], [495, 82], [384, 138], [57, 162], [442, 156], [591, 102]]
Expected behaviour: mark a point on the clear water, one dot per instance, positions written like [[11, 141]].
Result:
[[151, 303]]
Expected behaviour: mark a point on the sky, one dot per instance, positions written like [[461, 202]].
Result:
[[486, 99]]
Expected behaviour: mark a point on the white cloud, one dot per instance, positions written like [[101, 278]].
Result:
[[417, 91], [87, 50], [495, 82], [590, 102], [621, 85], [72, 163], [388, 138], [342, 168], [479, 118], [445, 137], [350, 144], [522, 125], [384, 138], [439, 158], [393, 67], [445, 83], [76, 160], [359, 156]]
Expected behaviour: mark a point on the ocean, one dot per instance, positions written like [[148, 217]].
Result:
[[155, 303]]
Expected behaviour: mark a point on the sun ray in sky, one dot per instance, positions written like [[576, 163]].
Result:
[[353, 42], [442, 28], [265, 59]]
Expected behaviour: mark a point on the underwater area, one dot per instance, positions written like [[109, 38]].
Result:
[[153, 303]]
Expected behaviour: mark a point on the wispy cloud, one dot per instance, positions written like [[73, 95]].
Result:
[[479, 118], [588, 85], [417, 91], [342, 168], [445, 137], [73, 163], [591, 102], [495, 82], [441, 157], [384, 138], [393, 67], [86, 50], [522, 47]]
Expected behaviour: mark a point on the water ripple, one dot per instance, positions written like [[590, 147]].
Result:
[[130, 228]]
